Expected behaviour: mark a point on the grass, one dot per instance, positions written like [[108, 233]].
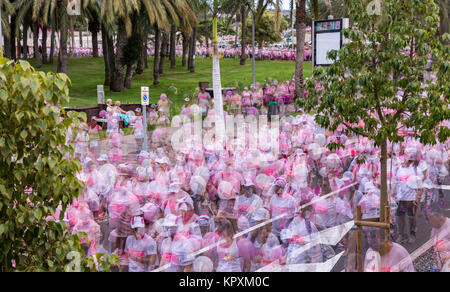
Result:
[[87, 73]]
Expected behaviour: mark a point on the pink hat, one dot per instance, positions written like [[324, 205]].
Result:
[[150, 210]]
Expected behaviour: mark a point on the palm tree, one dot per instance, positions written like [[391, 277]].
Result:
[[123, 13], [7, 10], [27, 10]]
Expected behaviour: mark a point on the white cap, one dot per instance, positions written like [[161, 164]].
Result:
[[103, 157], [144, 154], [137, 222], [174, 187]]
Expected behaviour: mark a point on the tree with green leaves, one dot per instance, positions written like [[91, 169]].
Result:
[[265, 31], [377, 78], [36, 176]]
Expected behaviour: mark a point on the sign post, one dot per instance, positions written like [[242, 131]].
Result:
[[100, 94], [327, 36], [145, 101]]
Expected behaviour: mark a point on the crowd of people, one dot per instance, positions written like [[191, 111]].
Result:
[[238, 209]]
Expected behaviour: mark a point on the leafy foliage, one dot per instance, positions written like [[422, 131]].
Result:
[[375, 86], [265, 32], [377, 77], [35, 173]]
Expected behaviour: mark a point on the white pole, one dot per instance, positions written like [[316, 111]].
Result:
[[253, 49], [144, 114]]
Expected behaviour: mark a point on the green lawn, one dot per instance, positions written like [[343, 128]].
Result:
[[87, 73]]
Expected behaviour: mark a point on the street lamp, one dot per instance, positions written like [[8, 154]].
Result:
[[253, 46]]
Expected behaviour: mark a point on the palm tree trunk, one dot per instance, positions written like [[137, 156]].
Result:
[[72, 36], [164, 46], [129, 77], [106, 57], [117, 84], [12, 37], [7, 44], [145, 52], [301, 27], [185, 51], [62, 24], [156, 57], [141, 61], [173, 47], [111, 60], [94, 44], [94, 27], [44, 45], [193, 46], [25, 41], [80, 33], [37, 53], [52, 44], [244, 35]]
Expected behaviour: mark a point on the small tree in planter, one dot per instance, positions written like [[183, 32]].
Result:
[[377, 78]]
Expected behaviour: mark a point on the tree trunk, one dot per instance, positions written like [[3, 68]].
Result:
[[111, 55], [185, 51], [117, 84], [106, 57], [164, 46], [301, 27], [95, 44], [140, 63], [13, 54], [244, 35], [37, 53], [44, 45], [80, 33], [237, 31], [156, 57], [173, 47], [72, 36], [7, 44], [25, 41], [383, 190], [129, 77], [94, 28], [193, 46], [142, 58], [146, 52], [52, 44], [62, 24]]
